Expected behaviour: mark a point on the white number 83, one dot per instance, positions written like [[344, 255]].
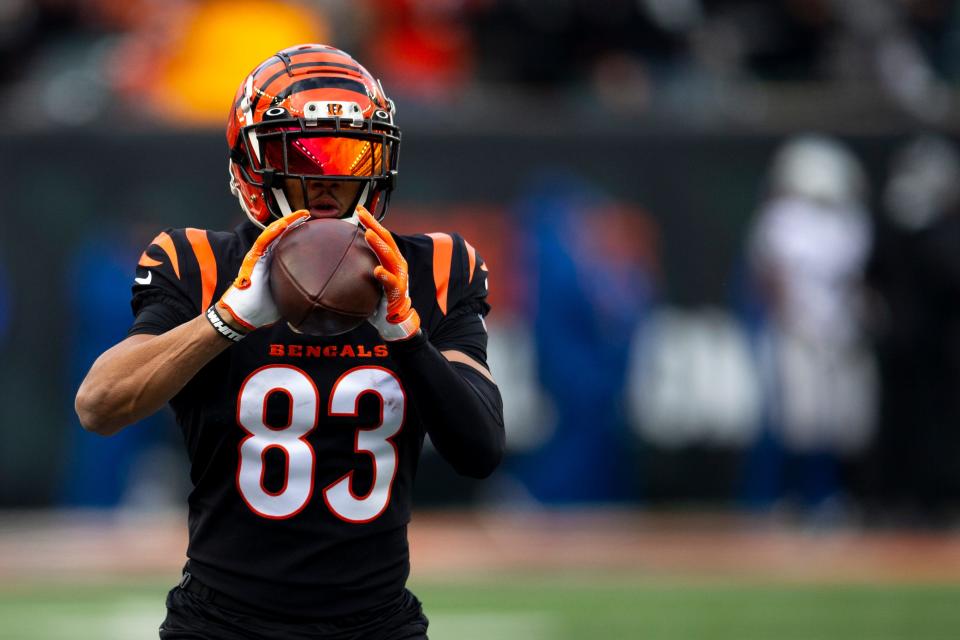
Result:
[[304, 413]]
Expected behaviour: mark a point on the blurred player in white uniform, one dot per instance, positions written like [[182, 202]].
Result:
[[809, 247]]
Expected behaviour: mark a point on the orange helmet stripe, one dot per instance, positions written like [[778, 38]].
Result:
[[315, 80], [308, 60], [321, 58], [270, 72]]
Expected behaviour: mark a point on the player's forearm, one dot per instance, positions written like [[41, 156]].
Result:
[[461, 409], [138, 376]]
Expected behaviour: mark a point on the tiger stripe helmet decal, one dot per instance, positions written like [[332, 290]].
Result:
[[310, 112]]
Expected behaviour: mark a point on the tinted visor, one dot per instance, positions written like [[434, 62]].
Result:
[[322, 155]]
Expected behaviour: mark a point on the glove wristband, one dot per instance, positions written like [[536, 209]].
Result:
[[222, 327], [401, 348], [403, 330]]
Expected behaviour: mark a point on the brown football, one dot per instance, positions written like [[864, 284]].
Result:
[[322, 279]]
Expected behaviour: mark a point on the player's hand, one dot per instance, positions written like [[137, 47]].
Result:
[[248, 304], [395, 317]]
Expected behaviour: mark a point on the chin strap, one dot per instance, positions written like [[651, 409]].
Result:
[[282, 203], [353, 217]]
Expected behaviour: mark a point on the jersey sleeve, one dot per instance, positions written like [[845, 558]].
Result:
[[176, 279], [460, 279]]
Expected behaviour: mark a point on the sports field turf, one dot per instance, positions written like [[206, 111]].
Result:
[[561, 607], [549, 576]]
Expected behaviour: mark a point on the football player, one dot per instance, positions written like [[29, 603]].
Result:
[[303, 449]]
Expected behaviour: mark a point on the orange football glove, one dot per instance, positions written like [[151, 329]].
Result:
[[248, 304], [395, 317]]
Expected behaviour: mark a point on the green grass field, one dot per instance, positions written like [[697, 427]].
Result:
[[561, 607]]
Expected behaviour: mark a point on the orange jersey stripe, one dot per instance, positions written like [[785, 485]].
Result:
[[208, 264], [472, 260], [147, 261], [442, 257], [165, 242]]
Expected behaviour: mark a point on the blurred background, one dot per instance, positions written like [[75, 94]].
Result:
[[724, 251]]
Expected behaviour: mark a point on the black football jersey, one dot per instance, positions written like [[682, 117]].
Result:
[[303, 449]]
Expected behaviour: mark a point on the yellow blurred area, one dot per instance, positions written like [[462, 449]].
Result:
[[192, 73]]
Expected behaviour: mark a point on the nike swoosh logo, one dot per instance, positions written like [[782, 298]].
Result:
[[144, 280]]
